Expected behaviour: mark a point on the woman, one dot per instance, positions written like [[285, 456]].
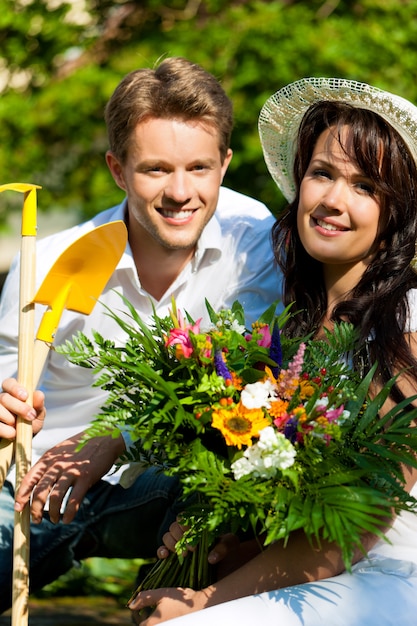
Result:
[[344, 154]]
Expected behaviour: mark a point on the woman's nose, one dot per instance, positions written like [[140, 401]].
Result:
[[336, 195]]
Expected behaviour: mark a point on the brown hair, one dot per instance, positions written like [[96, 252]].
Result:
[[176, 89]]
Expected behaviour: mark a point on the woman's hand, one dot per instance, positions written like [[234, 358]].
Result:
[[228, 554], [171, 538], [13, 403], [167, 603]]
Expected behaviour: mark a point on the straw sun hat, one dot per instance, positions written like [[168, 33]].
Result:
[[281, 115]]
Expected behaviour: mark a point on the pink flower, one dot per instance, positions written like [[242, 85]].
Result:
[[181, 336], [265, 340], [333, 414], [282, 420]]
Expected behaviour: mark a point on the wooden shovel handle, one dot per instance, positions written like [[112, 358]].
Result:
[[23, 446], [21, 541]]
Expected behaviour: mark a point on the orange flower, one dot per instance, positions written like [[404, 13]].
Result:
[[278, 408], [237, 381]]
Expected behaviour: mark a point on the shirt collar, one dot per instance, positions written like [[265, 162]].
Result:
[[210, 242]]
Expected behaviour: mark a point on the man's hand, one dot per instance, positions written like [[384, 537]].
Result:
[[13, 402], [63, 468]]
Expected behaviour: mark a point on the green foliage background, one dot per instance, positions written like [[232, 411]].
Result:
[[60, 61]]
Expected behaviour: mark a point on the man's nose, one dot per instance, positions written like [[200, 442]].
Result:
[[179, 187]]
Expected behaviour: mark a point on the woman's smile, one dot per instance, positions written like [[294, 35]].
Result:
[[328, 226]]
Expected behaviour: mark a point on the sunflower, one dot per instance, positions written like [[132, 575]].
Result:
[[239, 425]]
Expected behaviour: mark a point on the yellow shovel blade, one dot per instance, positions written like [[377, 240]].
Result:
[[79, 275]]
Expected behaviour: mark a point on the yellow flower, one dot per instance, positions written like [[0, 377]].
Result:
[[306, 389], [239, 425], [269, 375], [300, 413]]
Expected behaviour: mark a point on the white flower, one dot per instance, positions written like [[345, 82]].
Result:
[[273, 452], [268, 438], [321, 403], [241, 467], [343, 416], [258, 395], [238, 328]]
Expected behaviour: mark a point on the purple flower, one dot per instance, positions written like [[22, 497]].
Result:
[[220, 366], [275, 350], [290, 429]]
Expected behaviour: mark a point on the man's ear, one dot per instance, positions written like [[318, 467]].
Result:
[[226, 162], [116, 170]]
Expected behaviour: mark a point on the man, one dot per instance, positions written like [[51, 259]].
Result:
[[169, 133]]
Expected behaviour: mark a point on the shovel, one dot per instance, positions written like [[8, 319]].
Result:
[[74, 282], [25, 377]]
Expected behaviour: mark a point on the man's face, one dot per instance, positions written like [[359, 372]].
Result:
[[171, 176]]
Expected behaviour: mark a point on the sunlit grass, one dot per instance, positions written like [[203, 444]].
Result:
[[97, 576]]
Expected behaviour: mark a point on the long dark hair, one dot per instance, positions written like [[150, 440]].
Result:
[[378, 305]]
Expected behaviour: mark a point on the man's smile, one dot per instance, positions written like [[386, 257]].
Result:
[[180, 214]]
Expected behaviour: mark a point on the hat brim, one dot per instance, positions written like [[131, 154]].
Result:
[[281, 115]]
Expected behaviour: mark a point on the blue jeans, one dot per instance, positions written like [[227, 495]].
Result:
[[112, 522]]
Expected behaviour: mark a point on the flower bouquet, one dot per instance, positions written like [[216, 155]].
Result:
[[265, 434]]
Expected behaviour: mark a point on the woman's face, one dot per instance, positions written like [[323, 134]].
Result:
[[338, 211]]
